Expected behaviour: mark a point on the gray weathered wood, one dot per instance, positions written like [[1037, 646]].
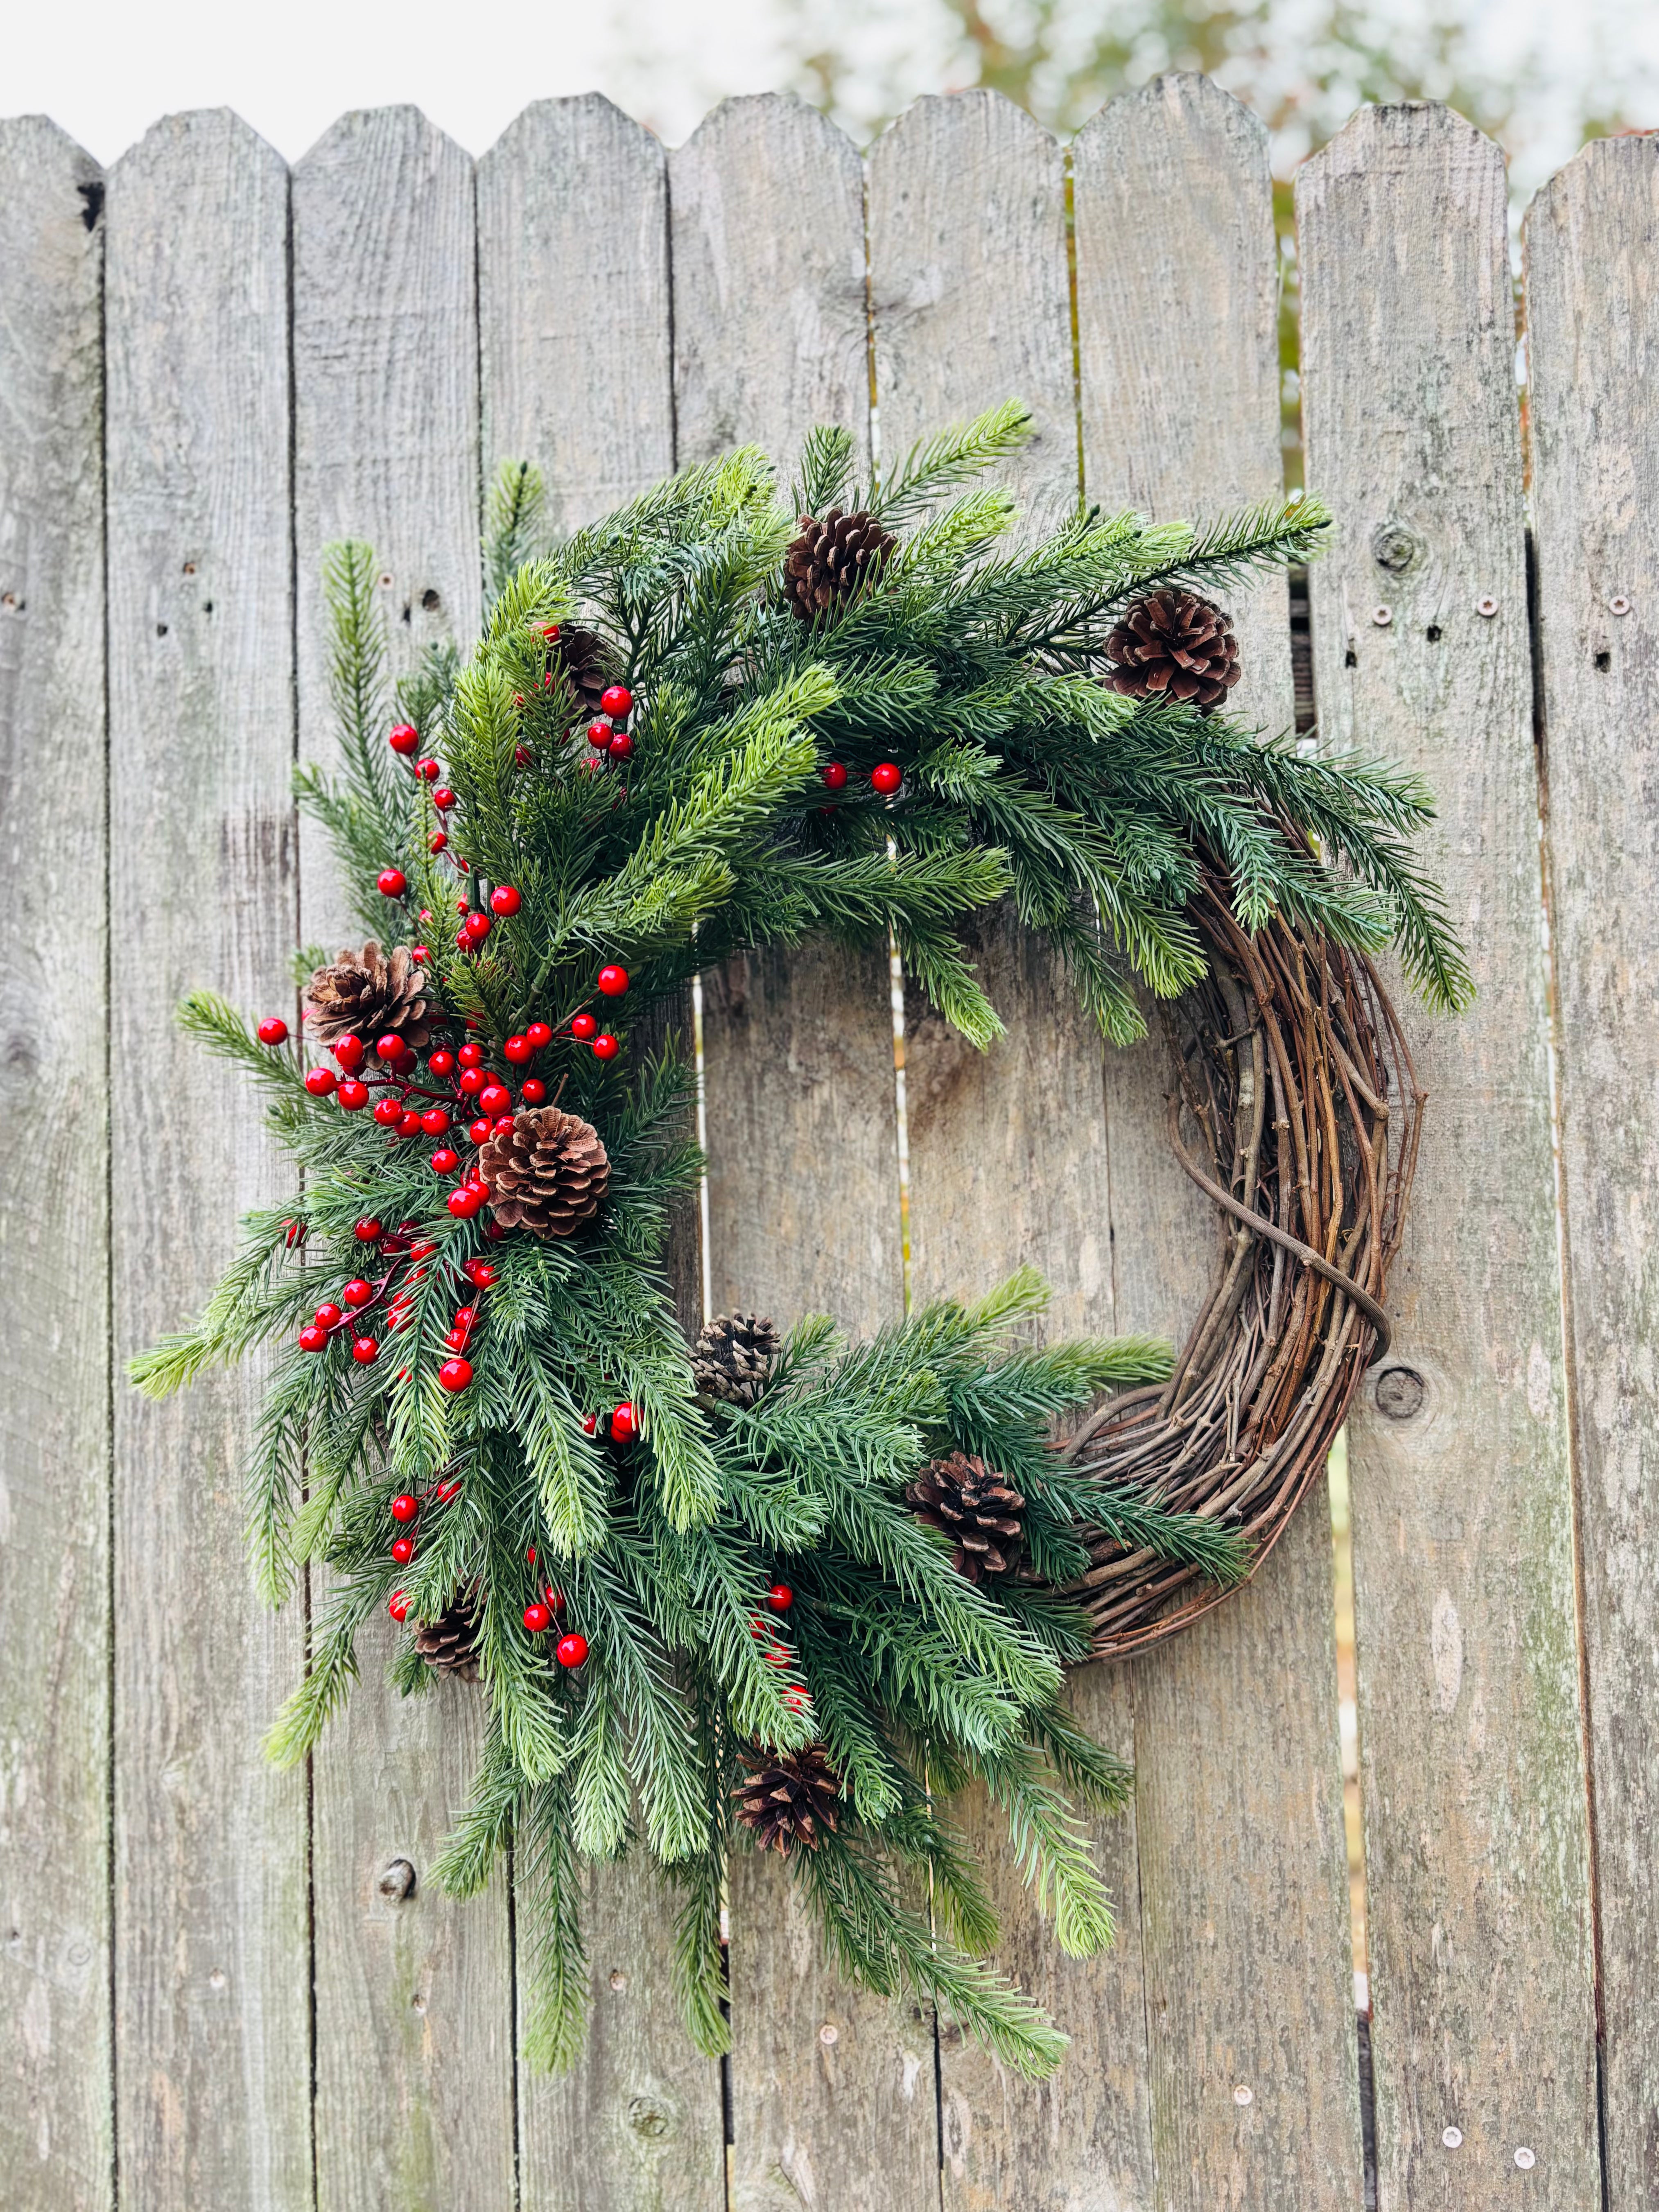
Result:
[[55, 2064], [572, 279], [970, 299], [769, 319], [211, 1999], [577, 375], [1472, 1770], [1592, 251], [386, 449], [1236, 1721]]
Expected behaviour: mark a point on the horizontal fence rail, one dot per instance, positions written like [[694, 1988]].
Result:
[[230, 1988]]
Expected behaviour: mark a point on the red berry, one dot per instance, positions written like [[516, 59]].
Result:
[[392, 882], [328, 1315], [443, 798], [479, 1130], [465, 1316], [796, 1699], [402, 1549], [551, 630], [357, 1292], [434, 1121], [472, 1081], [348, 1052], [618, 700], [465, 1202], [472, 1055], [570, 1650], [624, 1423], [555, 1598], [398, 1604], [368, 1230], [590, 1425], [517, 1049], [495, 1098], [502, 1122], [613, 982], [428, 769], [442, 1064], [477, 927], [445, 1161], [437, 841], [534, 1091], [312, 1337], [365, 1351], [622, 746], [409, 1123], [272, 1030], [605, 1046], [505, 901], [523, 755], [886, 776], [531, 1555], [834, 774], [404, 738], [538, 1036], [420, 951], [479, 1273], [404, 1507], [583, 1027], [387, 1111], [389, 1048], [320, 1081], [599, 735], [447, 1491], [455, 1373], [354, 1096], [536, 1619], [780, 1597]]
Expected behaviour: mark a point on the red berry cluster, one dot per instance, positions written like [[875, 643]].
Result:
[[608, 738], [885, 778], [773, 1649]]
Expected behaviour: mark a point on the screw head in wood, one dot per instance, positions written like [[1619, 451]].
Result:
[[829, 2034], [619, 1981], [1620, 606], [1244, 2094], [1382, 617], [1486, 607], [1452, 2137], [1525, 2159]]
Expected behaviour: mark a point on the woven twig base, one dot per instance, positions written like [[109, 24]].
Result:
[[1296, 1108]]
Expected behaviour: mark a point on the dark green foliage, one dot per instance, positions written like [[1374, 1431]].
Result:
[[974, 668]]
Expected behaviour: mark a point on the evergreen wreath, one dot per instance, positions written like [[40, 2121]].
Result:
[[774, 1589]]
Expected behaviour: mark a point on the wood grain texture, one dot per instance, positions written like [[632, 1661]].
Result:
[[56, 2094], [1592, 257], [1239, 1793], [769, 336], [572, 286], [386, 449], [577, 375], [211, 1972], [1007, 1149], [1471, 1760]]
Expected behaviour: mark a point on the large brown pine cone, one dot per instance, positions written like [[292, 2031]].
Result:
[[547, 1173], [977, 1509], [733, 1356], [449, 1644], [1173, 645], [788, 1797], [830, 561], [368, 993], [586, 663]]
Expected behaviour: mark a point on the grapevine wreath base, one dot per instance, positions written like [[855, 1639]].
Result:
[[1291, 1065], [772, 1590]]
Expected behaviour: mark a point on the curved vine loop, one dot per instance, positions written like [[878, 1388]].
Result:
[[1290, 1066]]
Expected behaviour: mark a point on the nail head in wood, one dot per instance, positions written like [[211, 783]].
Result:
[[398, 1882]]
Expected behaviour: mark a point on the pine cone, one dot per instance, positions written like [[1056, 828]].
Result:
[[788, 1797], [977, 1509], [1173, 645], [547, 1173], [733, 1356], [449, 1644], [368, 993], [585, 660], [829, 563]]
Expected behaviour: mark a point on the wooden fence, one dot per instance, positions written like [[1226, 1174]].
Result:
[[217, 1993]]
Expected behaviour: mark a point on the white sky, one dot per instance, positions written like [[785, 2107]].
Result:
[[105, 71]]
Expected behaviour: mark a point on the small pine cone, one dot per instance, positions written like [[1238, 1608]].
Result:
[[547, 1173], [977, 1509], [368, 993], [449, 1644], [585, 660], [1173, 645], [733, 1356], [830, 561], [788, 1797]]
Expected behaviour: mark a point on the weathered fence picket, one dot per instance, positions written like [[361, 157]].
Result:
[[1593, 345], [216, 1980], [1472, 1771]]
